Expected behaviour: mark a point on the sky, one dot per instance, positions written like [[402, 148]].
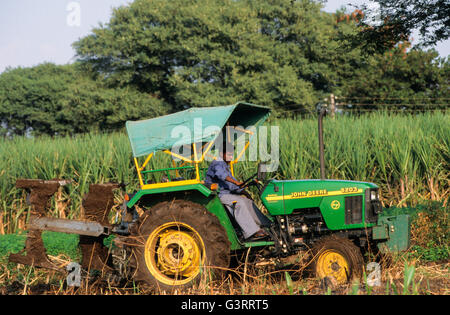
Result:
[[36, 31]]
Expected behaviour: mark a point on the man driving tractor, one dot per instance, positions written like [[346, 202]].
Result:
[[243, 209]]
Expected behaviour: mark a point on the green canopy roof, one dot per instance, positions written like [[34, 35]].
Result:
[[199, 124]]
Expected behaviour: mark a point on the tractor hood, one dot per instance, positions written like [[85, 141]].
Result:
[[284, 196]]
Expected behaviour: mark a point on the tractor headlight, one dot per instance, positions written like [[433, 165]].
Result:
[[373, 194]]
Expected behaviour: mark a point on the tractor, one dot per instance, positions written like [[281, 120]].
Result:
[[174, 229]]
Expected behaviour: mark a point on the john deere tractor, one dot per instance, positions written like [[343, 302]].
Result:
[[175, 229]]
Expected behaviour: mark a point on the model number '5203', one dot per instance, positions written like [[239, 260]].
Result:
[[349, 190]]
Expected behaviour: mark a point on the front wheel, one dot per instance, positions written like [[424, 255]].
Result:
[[337, 258], [179, 241]]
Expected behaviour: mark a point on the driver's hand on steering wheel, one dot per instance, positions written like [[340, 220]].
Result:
[[231, 180]]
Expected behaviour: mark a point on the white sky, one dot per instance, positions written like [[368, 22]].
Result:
[[32, 31]]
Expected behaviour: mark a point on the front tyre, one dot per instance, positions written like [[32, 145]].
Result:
[[337, 258], [179, 241]]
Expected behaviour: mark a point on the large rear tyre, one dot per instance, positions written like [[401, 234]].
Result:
[[178, 242], [337, 259]]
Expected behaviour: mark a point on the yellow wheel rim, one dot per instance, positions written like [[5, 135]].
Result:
[[174, 253], [332, 264]]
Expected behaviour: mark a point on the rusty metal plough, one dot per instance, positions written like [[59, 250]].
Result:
[[97, 205]]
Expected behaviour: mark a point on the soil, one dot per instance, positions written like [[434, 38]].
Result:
[[99, 201], [35, 252], [432, 284], [40, 192], [94, 254], [96, 204]]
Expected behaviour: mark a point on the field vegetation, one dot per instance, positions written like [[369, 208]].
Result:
[[158, 57], [406, 155]]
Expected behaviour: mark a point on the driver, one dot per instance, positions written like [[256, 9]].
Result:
[[247, 215]]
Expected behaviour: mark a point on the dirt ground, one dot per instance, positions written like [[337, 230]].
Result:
[[429, 279]]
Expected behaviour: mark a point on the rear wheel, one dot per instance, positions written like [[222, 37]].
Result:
[[179, 242], [338, 259]]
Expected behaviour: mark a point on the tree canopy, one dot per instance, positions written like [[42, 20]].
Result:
[[213, 52], [395, 20], [59, 100], [159, 56]]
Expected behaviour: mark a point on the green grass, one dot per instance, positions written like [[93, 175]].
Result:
[[11, 244], [55, 244]]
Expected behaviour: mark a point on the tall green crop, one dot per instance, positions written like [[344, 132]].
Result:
[[407, 156]]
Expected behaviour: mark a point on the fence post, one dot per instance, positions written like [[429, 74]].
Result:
[[332, 105]]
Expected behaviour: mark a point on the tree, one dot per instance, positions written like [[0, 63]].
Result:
[[397, 19], [277, 53], [380, 74], [412, 80], [60, 100]]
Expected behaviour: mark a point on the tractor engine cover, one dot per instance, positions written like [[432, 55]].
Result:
[[343, 204]]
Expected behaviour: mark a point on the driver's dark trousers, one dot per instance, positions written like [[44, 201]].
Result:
[[246, 213]]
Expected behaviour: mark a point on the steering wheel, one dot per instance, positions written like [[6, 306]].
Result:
[[248, 181], [251, 180]]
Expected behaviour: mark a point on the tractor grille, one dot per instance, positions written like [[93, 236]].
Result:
[[353, 209]]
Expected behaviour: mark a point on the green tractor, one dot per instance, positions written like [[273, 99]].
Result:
[[175, 229]]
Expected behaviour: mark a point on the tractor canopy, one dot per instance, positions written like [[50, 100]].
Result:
[[193, 131], [197, 124]]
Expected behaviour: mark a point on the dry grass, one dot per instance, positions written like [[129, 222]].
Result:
[[245, 279], [428, 279]]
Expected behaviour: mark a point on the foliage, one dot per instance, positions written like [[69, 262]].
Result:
[[109, 241], [280, 53], [396, 20], [55, 244], [61, 100], [11, 243], [211, 52], [417, 80], [430, 229]]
